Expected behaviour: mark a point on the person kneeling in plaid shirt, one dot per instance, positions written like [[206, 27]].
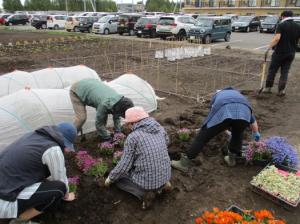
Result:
[[145, 167]]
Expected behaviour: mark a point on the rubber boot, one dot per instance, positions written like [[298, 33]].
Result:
[[183, 164], [230, 159], [267, 90]]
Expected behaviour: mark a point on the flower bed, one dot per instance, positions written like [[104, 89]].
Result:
[[275, 149], [282, 185], [229, 217]]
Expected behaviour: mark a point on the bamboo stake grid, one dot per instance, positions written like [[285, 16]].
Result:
[[193, 77]]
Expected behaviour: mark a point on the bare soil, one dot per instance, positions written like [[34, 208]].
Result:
[[209, 183]]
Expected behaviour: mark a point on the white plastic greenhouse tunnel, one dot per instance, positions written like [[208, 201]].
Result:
[[49, 78], [29, 109]]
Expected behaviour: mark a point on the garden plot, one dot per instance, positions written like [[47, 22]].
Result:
[[208, 185]]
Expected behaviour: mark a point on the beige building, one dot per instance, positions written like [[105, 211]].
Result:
[[241, 7]]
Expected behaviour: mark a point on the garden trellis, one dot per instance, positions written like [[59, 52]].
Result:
[[28, 109], [49, 78]]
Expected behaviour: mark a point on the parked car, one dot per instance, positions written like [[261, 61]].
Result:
[[106, 25], [127, 22], [269, 24], [39, 21], [177, 26], [3, 18], [86, 23], [209, 29], [146, 26], [56, 21], [72, 23], [233, 17], [246, 23], [17, 19]]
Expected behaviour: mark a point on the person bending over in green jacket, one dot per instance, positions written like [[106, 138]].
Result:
[[94, 93]]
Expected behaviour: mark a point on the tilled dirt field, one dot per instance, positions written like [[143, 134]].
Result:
[[209, 183]]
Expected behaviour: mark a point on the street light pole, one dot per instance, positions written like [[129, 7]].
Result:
[[67, 7]]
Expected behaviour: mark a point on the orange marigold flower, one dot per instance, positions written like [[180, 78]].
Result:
[[199, 220], [216, 210], [263, 214]]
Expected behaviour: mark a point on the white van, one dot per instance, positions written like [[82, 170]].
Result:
[[56, 21], [106, 25]]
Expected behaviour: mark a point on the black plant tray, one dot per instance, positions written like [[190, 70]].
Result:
[[238, 210], [277, 198]]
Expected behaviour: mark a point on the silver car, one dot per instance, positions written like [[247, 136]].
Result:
[[106, 25]]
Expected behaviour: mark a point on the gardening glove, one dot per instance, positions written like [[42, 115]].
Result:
[[107, 182], [70, 196], [256, 136]]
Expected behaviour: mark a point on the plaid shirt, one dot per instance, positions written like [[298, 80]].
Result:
[[145, 157], [235, 111]]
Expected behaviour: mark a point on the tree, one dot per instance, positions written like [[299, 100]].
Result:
[[12, 5], [159, 6], [36, 5]]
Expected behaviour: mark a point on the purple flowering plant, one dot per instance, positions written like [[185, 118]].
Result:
[[282, 151], [119, 139], [257, 151], [107, 148], [89, 165], [117, 156], [184, 134], [73, 183]]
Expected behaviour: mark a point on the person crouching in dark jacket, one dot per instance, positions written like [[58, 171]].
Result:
[[24, 167], [145, 166]]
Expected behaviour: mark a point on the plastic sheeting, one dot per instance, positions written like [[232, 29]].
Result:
[[49, 78], [27, 110]]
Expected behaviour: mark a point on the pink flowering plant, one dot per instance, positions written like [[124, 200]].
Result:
[[257, 151], [184, 134], [89, 165], [119, 139], [117, 157], [107, 148], [73, 183]]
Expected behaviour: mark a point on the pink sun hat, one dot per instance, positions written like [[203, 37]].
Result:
[[135, 114]]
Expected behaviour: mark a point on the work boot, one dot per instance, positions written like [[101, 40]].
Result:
[[281, 93], [19, 221], [230, 159], [267, 90], [183, 164], [148, 199]]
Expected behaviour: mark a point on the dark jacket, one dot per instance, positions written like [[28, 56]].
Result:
[[21, 162]]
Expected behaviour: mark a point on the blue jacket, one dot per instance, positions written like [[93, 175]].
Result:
[[224, 98]]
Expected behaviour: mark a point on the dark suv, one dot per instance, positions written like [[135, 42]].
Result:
[[16, 20], [146, 26], [39, 21], [246, 23], [127, 22], [269, 24], [86, 24]]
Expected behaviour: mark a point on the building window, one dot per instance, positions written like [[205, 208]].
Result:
[[298, 3]]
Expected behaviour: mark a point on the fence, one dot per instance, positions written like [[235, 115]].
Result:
[[189, 75]]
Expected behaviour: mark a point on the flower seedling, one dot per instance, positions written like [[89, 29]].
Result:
[[107, 148], [257, 151], [119, 139], [73, 183], [282, 151], [184, 134], [117, 157], [98, 170], [228, 217]]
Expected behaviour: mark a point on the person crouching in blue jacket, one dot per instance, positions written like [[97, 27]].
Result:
[[230, 110]]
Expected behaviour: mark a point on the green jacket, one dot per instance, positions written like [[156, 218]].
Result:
[[95, 93]]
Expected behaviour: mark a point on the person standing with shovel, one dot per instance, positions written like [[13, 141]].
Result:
[[285, 44]]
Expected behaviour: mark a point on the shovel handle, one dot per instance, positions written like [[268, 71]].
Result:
[[266, 55]]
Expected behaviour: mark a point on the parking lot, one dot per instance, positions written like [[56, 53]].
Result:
[[251, 41]]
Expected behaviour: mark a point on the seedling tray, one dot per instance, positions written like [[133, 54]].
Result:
[[277, 198]]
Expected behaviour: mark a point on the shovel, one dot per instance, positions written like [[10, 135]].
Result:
[[263, 74]]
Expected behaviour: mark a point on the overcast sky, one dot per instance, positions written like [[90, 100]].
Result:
[[118, 1]]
